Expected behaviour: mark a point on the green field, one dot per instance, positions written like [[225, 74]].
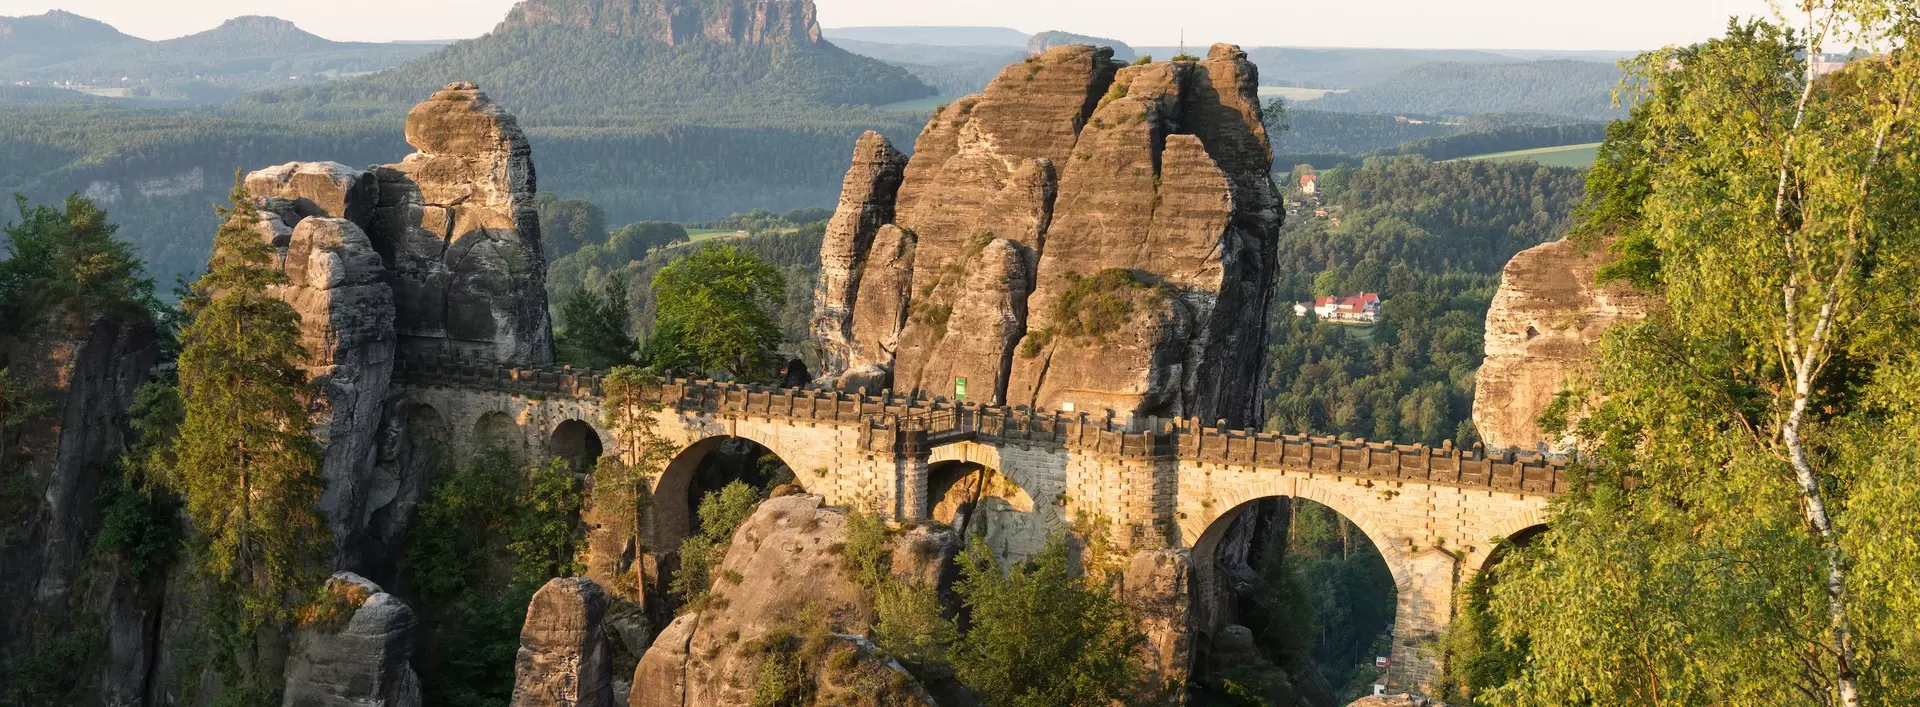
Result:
[[918, 105], [1297, 94], [697, 235], [1581, 156]]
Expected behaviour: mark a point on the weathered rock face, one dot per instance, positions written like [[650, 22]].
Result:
[[866, 205], [456, 225], [1157, 587], [362, 660], [1541, 332], [789, 564], [1078, 166], [87, 372], [317, 189], [336, 282], [678, 21], [563, 660]]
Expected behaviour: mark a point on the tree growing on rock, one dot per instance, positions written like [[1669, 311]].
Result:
[[244, 461], [714, 315]]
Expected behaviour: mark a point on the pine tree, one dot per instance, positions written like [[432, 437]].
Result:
[[245, 464]]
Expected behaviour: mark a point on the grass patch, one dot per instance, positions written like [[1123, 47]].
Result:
[[1578, 156]]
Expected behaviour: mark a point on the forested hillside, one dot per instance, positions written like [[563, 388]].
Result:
[[1580, 89], [1431, 238]]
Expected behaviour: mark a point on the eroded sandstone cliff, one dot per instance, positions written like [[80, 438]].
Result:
[[1542, 330], [1082, 234], [676, 21]]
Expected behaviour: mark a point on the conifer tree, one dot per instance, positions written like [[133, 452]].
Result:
[[245, 463]]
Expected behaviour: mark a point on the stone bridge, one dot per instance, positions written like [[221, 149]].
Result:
[[1435, 514]]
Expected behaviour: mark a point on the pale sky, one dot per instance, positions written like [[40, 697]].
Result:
[[1484, 24]]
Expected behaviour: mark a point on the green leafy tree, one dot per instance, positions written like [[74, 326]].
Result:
[[245, 464], [1040, 635], [721, 512], [593, 327], [714, 314], [1757, 431]]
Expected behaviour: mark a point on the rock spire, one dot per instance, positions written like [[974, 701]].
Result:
[[1081, 235]]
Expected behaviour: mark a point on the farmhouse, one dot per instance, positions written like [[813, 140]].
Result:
[[1363, 307]]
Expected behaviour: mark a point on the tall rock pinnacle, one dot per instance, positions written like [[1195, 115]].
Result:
[[1084, 235]]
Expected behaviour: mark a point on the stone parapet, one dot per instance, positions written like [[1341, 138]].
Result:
[[911, 426]]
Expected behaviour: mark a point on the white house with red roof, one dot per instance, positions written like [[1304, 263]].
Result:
[[1361, 308]]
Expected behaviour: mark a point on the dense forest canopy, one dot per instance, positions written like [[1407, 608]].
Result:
[[1431, 238]]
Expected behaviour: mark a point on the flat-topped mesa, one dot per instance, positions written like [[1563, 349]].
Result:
[[1089, 236], [675, 22], [456, 224]]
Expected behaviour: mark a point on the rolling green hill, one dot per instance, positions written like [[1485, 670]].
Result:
[[55, 37]]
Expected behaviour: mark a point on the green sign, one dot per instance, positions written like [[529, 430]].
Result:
[[959, 389]]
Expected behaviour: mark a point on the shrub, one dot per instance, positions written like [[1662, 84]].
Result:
[[1096, 306]]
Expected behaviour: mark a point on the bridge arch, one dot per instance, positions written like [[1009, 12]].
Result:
[[578, 442], [495, 429], [676, 492]]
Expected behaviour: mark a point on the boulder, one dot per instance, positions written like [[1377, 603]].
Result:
[[456, 224], [357, 658], [866, 205], [1542, 331], [783, 592], [563, 659]]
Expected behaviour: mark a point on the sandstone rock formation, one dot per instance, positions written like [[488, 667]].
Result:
[[456, 224], [1069, 167], [1396, 701], [1541, 332], [86, 371], [437, 254], [676, 22], [356, 660], [563, 659], [1156, 589], [784, 574], [336, 282], [866, 206]]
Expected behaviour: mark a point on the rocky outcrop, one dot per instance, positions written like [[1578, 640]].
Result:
[[1396, 701], [316, 189], [1156, 588], [676, 22], [1070, 168], [52, 468], [357, 659], [784, 582], [456, 225], [866, 206], [563, 659], [336, 282], [1542, 330]]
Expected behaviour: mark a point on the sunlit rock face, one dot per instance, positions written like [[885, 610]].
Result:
[[1543, 330], [1068, 167]]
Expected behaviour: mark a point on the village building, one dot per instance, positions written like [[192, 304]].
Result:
[[1361, 308]]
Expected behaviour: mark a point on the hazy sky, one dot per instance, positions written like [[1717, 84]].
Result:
[[1493, 24]]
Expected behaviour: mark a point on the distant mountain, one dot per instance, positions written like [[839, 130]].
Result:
[[208, 67], [936, 36], [1048, 40], [711, 62], [55, 37], [1580, 89]]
